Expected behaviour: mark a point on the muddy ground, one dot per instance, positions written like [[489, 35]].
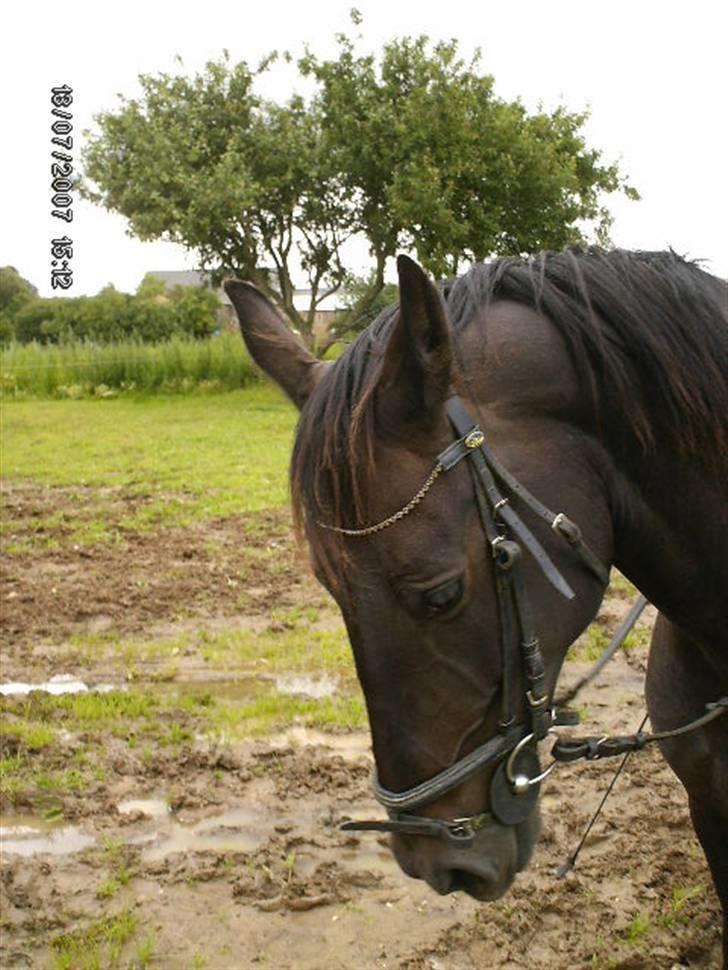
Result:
[[229, 855]]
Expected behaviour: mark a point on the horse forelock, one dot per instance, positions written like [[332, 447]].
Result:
[[333, 455], [647, 333]]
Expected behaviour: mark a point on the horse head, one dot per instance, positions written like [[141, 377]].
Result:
[[425, 583]]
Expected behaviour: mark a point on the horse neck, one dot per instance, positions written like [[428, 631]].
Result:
[[669, 518]]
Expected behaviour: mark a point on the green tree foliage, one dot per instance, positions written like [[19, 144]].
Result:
[[15, 291], [410, 150], [357, 288], [150, 316]]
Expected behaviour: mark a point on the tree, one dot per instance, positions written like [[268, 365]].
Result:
[[34, 319], [14, 289], [436, 163], [206, 163], [357, 287], [411, 150], [15, 292]]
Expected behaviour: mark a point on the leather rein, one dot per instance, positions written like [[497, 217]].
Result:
[[517, 777]]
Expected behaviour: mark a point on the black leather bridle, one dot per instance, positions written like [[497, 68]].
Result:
[[516, 780], [515, 783]]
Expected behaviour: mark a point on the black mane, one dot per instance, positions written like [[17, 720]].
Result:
[[648, 334]]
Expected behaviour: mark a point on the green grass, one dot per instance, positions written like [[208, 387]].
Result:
[[184, 459], [153, 722], [78, 370], [681, 895], [595, 639], [144, 954], [621, 586], [270, 712], [95, 471], [638, 638], [637, 929], [108, 888], [31, 736], [296, 650], [97, 945], [678, 910], [302, 640], [590, 645]]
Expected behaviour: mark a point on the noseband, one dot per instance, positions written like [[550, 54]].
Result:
[[517, 777]]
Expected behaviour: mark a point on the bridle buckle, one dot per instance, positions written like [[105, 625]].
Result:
[[536, 703]]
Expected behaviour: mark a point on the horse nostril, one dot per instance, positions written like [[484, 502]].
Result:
[[442, 881], [446, 881], [463, 881]]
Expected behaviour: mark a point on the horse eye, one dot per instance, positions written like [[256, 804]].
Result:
[[444, 598]]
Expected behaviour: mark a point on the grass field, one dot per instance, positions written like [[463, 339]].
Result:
[[194, 457], [156, 466]]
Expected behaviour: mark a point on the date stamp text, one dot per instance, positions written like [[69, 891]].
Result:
[[62, 183]]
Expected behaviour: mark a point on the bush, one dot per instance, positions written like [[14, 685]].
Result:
[[111, 316]]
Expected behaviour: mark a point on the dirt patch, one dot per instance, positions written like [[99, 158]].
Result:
[[139, 583], [309, 896], [230, 856]]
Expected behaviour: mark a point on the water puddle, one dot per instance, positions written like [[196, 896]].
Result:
[[375, 859], [60, 684], [241, 829], [153, 807], [306, 686], [238, 830], [223, 688], [352, 747], [28, 836], [242, 687]]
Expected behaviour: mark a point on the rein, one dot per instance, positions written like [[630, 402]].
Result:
[[517, 776]]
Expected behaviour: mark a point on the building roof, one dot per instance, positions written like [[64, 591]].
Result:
[[186, 277], [193, 277]]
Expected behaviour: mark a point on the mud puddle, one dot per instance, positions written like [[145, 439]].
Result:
[[56, 685], [351, 747], [288, 890], [239, 830], [152, 807], [238, 687], [303, 685], [27, 835]]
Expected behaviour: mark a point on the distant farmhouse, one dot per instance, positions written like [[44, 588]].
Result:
[[324, 317]]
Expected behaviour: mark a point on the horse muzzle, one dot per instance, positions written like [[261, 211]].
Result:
[[482, 865]]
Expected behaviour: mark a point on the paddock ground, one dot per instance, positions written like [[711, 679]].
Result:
[[178, 821]]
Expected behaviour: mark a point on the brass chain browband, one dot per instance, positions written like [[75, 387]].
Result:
[[370, 530], [473, 439]]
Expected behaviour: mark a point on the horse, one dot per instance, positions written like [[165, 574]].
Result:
[[465, 474]]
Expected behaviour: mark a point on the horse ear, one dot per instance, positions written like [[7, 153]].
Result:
[[272, 344], [416, 373]]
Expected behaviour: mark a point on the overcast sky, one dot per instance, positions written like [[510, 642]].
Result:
[[653, 75]]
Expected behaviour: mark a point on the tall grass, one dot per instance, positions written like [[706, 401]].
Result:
[[78, 370]]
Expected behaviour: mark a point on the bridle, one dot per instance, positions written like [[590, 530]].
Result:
[[516, 780], [515, 783]]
